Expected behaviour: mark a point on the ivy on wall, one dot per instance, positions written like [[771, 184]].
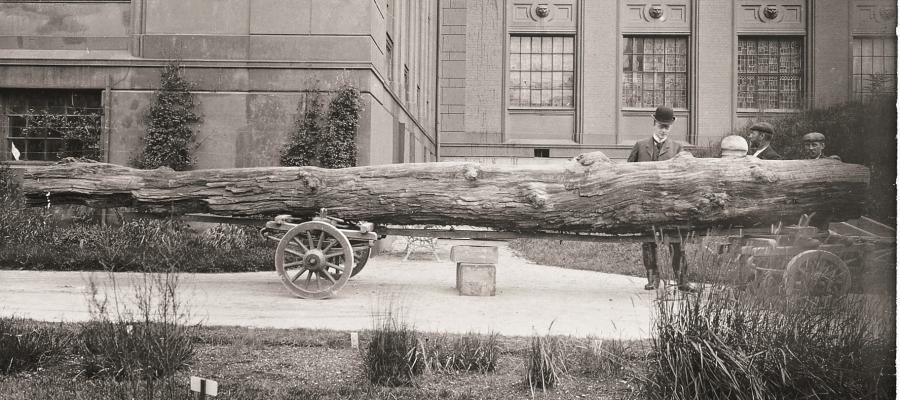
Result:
[[169, 141], [79, 130], [301, 148], [325, 138], [339, 142]]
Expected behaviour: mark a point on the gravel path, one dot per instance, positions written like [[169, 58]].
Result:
[[529, 298]]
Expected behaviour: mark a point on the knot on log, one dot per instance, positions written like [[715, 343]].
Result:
[[535, 195], [761, 174], [588, 159], [717, 199], [312, 182], [471, 173]]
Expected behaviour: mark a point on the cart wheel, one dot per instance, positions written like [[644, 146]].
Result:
[[311, 259], [360, 257], [816, 273]]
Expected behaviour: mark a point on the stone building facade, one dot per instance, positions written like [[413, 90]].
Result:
[[497, 81], [529, 81], [250, 61]]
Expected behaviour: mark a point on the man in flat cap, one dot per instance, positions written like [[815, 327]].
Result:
[[760, 137], [814, 146], [660, 148]]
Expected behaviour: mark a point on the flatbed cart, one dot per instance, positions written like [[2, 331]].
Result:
[[803, 261], [313, 255]]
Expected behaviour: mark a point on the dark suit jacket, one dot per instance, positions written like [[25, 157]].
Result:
[[643, 150], [767, 154]]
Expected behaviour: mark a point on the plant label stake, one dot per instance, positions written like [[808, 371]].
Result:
[[204, 387], [354, 340]]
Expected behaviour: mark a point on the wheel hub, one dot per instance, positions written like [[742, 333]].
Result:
[[314, 260]]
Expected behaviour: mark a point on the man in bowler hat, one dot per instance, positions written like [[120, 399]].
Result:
[[660, 148]]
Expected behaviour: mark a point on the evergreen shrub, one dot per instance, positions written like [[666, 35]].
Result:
[[169, 141], [325, 137]]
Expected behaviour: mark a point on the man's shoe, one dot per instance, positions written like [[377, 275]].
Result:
[[650, 286]]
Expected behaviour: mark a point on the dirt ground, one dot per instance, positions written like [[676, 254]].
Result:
[[529, 298]]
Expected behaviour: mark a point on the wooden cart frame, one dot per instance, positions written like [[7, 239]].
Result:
[[314, 254]]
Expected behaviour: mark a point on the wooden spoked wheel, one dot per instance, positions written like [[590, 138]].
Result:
[[311, 259], [816, 273], [360, 257]]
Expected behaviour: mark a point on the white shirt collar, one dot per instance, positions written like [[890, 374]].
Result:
[[760, 151]]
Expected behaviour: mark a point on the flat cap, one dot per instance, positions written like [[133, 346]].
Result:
[[814, 137], [763, 127]]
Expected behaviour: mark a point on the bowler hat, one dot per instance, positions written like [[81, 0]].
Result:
[[664, 114], [814, 137], [763, 127]]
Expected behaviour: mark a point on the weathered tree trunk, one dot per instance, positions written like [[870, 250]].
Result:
[[590, 194]]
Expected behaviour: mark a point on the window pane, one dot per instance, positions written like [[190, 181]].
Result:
[[664, 77], [770, 73], [38, 120], [568, 62], [515, 96], [568, 98], [874, 66], [547, 62], [569, 80], [544, 68], [515, 63], [535, 80]]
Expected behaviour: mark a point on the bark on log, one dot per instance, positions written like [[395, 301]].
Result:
[[587, 195]]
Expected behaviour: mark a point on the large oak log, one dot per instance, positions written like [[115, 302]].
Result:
[[589, 194]]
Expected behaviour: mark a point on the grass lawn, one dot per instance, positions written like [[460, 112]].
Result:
[[317, 364]]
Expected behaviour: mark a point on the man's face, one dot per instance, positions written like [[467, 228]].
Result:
[[813, 149], [661, 129], [755, 137]]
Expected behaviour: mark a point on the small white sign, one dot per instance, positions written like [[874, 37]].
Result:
[[204, 386], [354, 340]]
